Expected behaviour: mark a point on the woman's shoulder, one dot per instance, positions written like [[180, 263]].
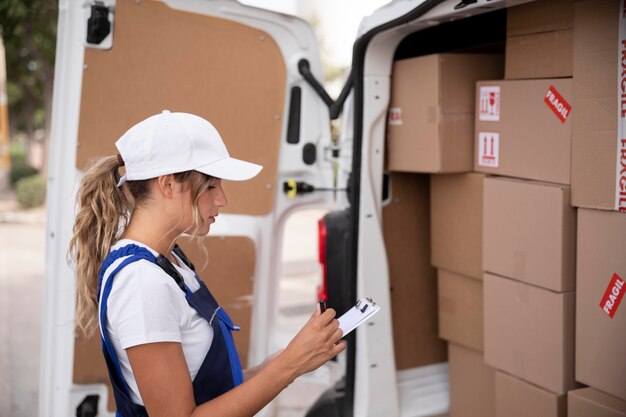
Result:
[[145, 305], [145, 276], [127, 242], [140, 275]]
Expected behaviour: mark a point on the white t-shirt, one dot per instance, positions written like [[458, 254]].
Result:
[[147, 306]]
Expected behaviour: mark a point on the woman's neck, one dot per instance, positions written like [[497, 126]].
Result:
[[152, 232]]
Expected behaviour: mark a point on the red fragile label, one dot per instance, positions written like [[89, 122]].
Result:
[[612, 296], [395, 116], [557, 104]]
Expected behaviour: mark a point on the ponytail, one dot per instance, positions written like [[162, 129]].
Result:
[[103, 213]]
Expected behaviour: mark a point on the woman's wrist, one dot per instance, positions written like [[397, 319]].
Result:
[[280, 369]]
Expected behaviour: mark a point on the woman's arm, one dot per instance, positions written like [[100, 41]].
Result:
[[252, 371], [166, 389]]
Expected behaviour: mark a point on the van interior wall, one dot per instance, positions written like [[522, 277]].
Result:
[[413, 281], [485, 33]]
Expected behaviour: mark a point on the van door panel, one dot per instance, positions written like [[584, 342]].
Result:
[[232, 64], [226, 265], [229, 73], [226, 72]]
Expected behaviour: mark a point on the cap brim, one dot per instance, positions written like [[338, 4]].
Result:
[[231, 169]]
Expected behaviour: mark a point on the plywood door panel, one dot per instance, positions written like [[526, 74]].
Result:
[[229, 73]]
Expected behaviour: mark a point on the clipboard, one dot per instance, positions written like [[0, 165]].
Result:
[[362, 311]]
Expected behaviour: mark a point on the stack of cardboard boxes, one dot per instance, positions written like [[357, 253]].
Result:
[[457, 250], [523, 135], [528, 287], [598, 185], [431, 130]]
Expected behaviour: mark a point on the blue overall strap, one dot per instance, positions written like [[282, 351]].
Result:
[[134, 253], [227, 326]]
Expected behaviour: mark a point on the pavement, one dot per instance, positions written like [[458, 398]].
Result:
[[22, 251], [22, 237]]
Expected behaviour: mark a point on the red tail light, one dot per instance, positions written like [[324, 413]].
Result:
[[321, 247]]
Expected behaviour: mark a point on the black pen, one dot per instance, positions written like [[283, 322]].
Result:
[[322, 306]]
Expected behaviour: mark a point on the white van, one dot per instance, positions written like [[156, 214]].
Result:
[[253, 73]]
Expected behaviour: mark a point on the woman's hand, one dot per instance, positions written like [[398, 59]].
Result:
[[166, 388], [317, 342]]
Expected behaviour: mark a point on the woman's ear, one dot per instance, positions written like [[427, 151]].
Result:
[[164, 184]]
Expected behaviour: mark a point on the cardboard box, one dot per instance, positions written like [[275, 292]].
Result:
[[471, 383], [540, 55], [529, 332], [456, 206], [598, 155], [460, 309], [540, 40], [586, 402], [529, 232], [540, 16], [413, 281], [517, 398], [601, 266], [523, 129], [430, 121]]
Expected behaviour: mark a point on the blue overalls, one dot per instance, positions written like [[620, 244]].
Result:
[[220, 371]]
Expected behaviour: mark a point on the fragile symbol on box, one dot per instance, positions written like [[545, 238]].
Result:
[[489, 104], [489, 149], [557, 104], [613, 296], [395, 116]]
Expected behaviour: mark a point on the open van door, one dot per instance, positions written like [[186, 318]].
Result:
[[119, 61]]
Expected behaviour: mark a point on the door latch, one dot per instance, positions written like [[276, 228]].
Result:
[[98, 24]]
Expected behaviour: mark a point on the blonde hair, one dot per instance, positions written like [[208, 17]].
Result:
[[104, 211]]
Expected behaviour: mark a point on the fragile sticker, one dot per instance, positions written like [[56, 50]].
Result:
[[489, 149], [395, 116], [557, 104], [613, 296], [489, 103]]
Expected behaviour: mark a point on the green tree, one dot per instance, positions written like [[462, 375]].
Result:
[[29, 31]]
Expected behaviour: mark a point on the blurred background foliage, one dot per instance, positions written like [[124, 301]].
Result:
[[29, 31]]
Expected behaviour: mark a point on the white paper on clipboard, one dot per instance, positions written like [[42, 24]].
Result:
[[363, 310]]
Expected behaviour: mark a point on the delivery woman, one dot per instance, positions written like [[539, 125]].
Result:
[[167, 343]]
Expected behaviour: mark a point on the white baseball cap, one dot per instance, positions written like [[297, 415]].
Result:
[[169, 143]]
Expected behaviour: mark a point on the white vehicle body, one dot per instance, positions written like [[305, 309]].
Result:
[[379, 390]]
